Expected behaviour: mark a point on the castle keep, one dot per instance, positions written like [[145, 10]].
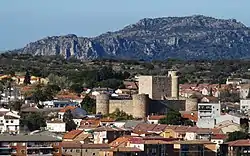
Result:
[[157, 94]]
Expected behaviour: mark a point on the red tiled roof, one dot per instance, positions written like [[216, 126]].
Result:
[[144, 127], [67, 108], [219, 136], [90, 122], [239, 143], [72, 134], [193, 116], [107, 120], [117, 142]]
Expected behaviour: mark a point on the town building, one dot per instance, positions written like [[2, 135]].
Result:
[[207, 113], [23, 145], [9, 121], [235, 148], [56, 126], [79, 149]]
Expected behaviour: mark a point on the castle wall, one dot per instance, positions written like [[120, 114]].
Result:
[[191, 104], [125, 105]]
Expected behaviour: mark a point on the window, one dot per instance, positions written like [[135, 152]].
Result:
[[77, 151], [11, 121], [1, 121], [71, 150], [93, 153], [86, 150], [7, 121], [65, 150]]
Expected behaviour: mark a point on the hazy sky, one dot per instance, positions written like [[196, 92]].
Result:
[[23, 21]]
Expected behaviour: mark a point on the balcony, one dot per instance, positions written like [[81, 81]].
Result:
[[44, 152], [39, 147]]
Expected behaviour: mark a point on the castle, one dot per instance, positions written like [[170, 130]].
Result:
[[157, 94]]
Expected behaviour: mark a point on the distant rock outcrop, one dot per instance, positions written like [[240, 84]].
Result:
[[192, 37]]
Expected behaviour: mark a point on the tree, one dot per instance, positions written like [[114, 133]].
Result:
[[42, 93], [16, 105], [111, 83], [27, 78], [237, 135], [77, 88], [68, 119], [34, 121], [174, 118], [88, 104], [119, 115], [62, 81]]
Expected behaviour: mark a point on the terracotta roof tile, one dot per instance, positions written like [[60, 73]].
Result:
[[239, 143], [119, 141], [193, 116], [145, 127], [67, 108], [107, 120], [72, 134], [219, 136], [127, 149]]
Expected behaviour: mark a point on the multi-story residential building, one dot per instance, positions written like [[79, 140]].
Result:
[[151, 146], [79, 149], [108, 134], [23, 145], [235, 148], [207, 113], [9, 121]]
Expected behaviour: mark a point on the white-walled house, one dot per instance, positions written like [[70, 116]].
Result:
[[56, 126], [207, 113], [9, 121]]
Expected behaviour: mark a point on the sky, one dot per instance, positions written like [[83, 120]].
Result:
[[24, 21]]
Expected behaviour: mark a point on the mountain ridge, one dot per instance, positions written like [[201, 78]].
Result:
[[189, 37]]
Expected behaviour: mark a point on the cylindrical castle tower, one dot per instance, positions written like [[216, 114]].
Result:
[[174, 84], [102, 104], [140, 104], [191, 104]]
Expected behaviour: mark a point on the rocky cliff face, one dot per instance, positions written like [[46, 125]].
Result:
[[192, 37]]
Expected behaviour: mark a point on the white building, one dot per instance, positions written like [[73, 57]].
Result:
[[244, 105], [9, 121], [56, 126], [244, 92], [228, 117], [207, 113]]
